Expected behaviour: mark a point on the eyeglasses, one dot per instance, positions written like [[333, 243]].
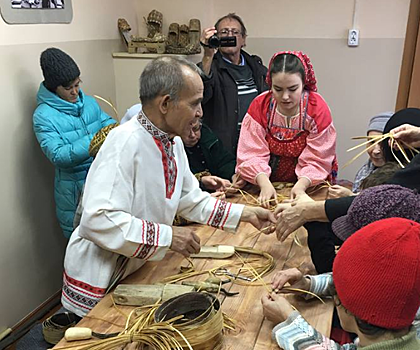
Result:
[[197, 127], [337, 301], [226, 31]]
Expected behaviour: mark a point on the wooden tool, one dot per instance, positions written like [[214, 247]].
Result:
[[215, 252], [147, 294], [84, 333], [208, 287]]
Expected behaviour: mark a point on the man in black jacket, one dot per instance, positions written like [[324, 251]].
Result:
[[233, 78]]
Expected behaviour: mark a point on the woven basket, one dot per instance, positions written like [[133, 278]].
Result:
[[202, 321], [99, 139], [54, 327]]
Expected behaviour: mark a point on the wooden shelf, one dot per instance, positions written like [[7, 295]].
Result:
[[147, 56]]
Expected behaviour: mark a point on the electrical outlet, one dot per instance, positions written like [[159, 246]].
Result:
[[353, 39]]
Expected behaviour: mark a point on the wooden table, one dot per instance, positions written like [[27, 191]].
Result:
[[252, 330]]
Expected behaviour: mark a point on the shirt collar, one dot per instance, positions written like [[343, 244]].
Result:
[[242, 63], [151, 128]]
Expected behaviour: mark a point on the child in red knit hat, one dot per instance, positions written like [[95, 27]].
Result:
[[376, 288]]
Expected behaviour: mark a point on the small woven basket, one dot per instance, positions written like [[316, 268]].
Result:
[[99, 139], [54, 327]]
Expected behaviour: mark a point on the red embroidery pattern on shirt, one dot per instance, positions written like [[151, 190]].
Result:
[[219, 212], [81, 294], [165, 146], [144, 249], [169, 166], [227, 215]]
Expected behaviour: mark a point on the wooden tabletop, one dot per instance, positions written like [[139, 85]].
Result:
[[252, 330]]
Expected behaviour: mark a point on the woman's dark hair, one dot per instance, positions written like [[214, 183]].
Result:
[[380, 176], [365, 327], [287, 63], [67, 84], [369, 329]]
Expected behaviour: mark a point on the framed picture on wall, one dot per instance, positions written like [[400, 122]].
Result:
[[36, 11]]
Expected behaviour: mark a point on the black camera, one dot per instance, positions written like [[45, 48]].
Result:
[[225, 41]]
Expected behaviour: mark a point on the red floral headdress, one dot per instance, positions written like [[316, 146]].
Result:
[[310, 81]]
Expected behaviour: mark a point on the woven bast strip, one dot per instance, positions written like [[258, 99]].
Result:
[[202, 319]]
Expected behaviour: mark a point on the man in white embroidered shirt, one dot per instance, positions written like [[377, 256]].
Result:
[[138, 182]]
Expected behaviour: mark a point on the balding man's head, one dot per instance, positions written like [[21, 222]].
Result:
[[164, 76]]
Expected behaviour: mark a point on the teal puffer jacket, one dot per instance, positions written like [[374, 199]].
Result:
[[64, 131]]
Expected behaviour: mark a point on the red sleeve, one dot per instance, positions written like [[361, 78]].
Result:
[[319, 111], [259, 108]]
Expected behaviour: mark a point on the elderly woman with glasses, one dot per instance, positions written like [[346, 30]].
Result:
[[211, 163], [232, 79]]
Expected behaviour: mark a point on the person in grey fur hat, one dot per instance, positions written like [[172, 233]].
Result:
[[65, 122], [376, 158]]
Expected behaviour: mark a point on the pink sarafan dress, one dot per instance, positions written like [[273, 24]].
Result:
[[286, 149]]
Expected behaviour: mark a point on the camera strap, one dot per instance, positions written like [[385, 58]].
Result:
[[203, 44]]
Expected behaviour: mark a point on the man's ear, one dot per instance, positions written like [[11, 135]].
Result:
[[164, 103]]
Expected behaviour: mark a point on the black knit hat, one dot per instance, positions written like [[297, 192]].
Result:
[[404, 116], [58, 68]]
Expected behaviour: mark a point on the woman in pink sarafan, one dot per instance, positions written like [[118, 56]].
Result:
[[287, 134]]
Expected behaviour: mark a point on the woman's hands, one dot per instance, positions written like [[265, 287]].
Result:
[[407, 133], [215, 183], [268, 194], [237, 181], [260, 218], [276, 308], [292, 276], [300, 187], [291, 216], [337, 191]]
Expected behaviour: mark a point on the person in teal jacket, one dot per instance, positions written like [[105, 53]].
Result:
[[65, 122]]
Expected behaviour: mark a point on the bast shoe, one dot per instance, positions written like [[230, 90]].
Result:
[[54, 327]]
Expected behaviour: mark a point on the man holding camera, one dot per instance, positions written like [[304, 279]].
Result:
[[233, 78]]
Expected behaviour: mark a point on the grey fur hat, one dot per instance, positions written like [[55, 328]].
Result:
[[378, 122]]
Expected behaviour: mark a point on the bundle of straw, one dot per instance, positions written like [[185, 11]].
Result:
[[263, 264], [253, 201], [373, 141]]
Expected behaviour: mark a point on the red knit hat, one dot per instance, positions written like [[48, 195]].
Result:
[[377, 273]]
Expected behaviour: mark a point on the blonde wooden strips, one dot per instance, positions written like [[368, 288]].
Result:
[[108, 103], [167, 335], [378, 139], [263, 264]]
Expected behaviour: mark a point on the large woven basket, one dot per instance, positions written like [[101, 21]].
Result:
[[202, 321]]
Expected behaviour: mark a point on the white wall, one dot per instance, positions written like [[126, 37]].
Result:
[[32, 245], [356, 82]]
